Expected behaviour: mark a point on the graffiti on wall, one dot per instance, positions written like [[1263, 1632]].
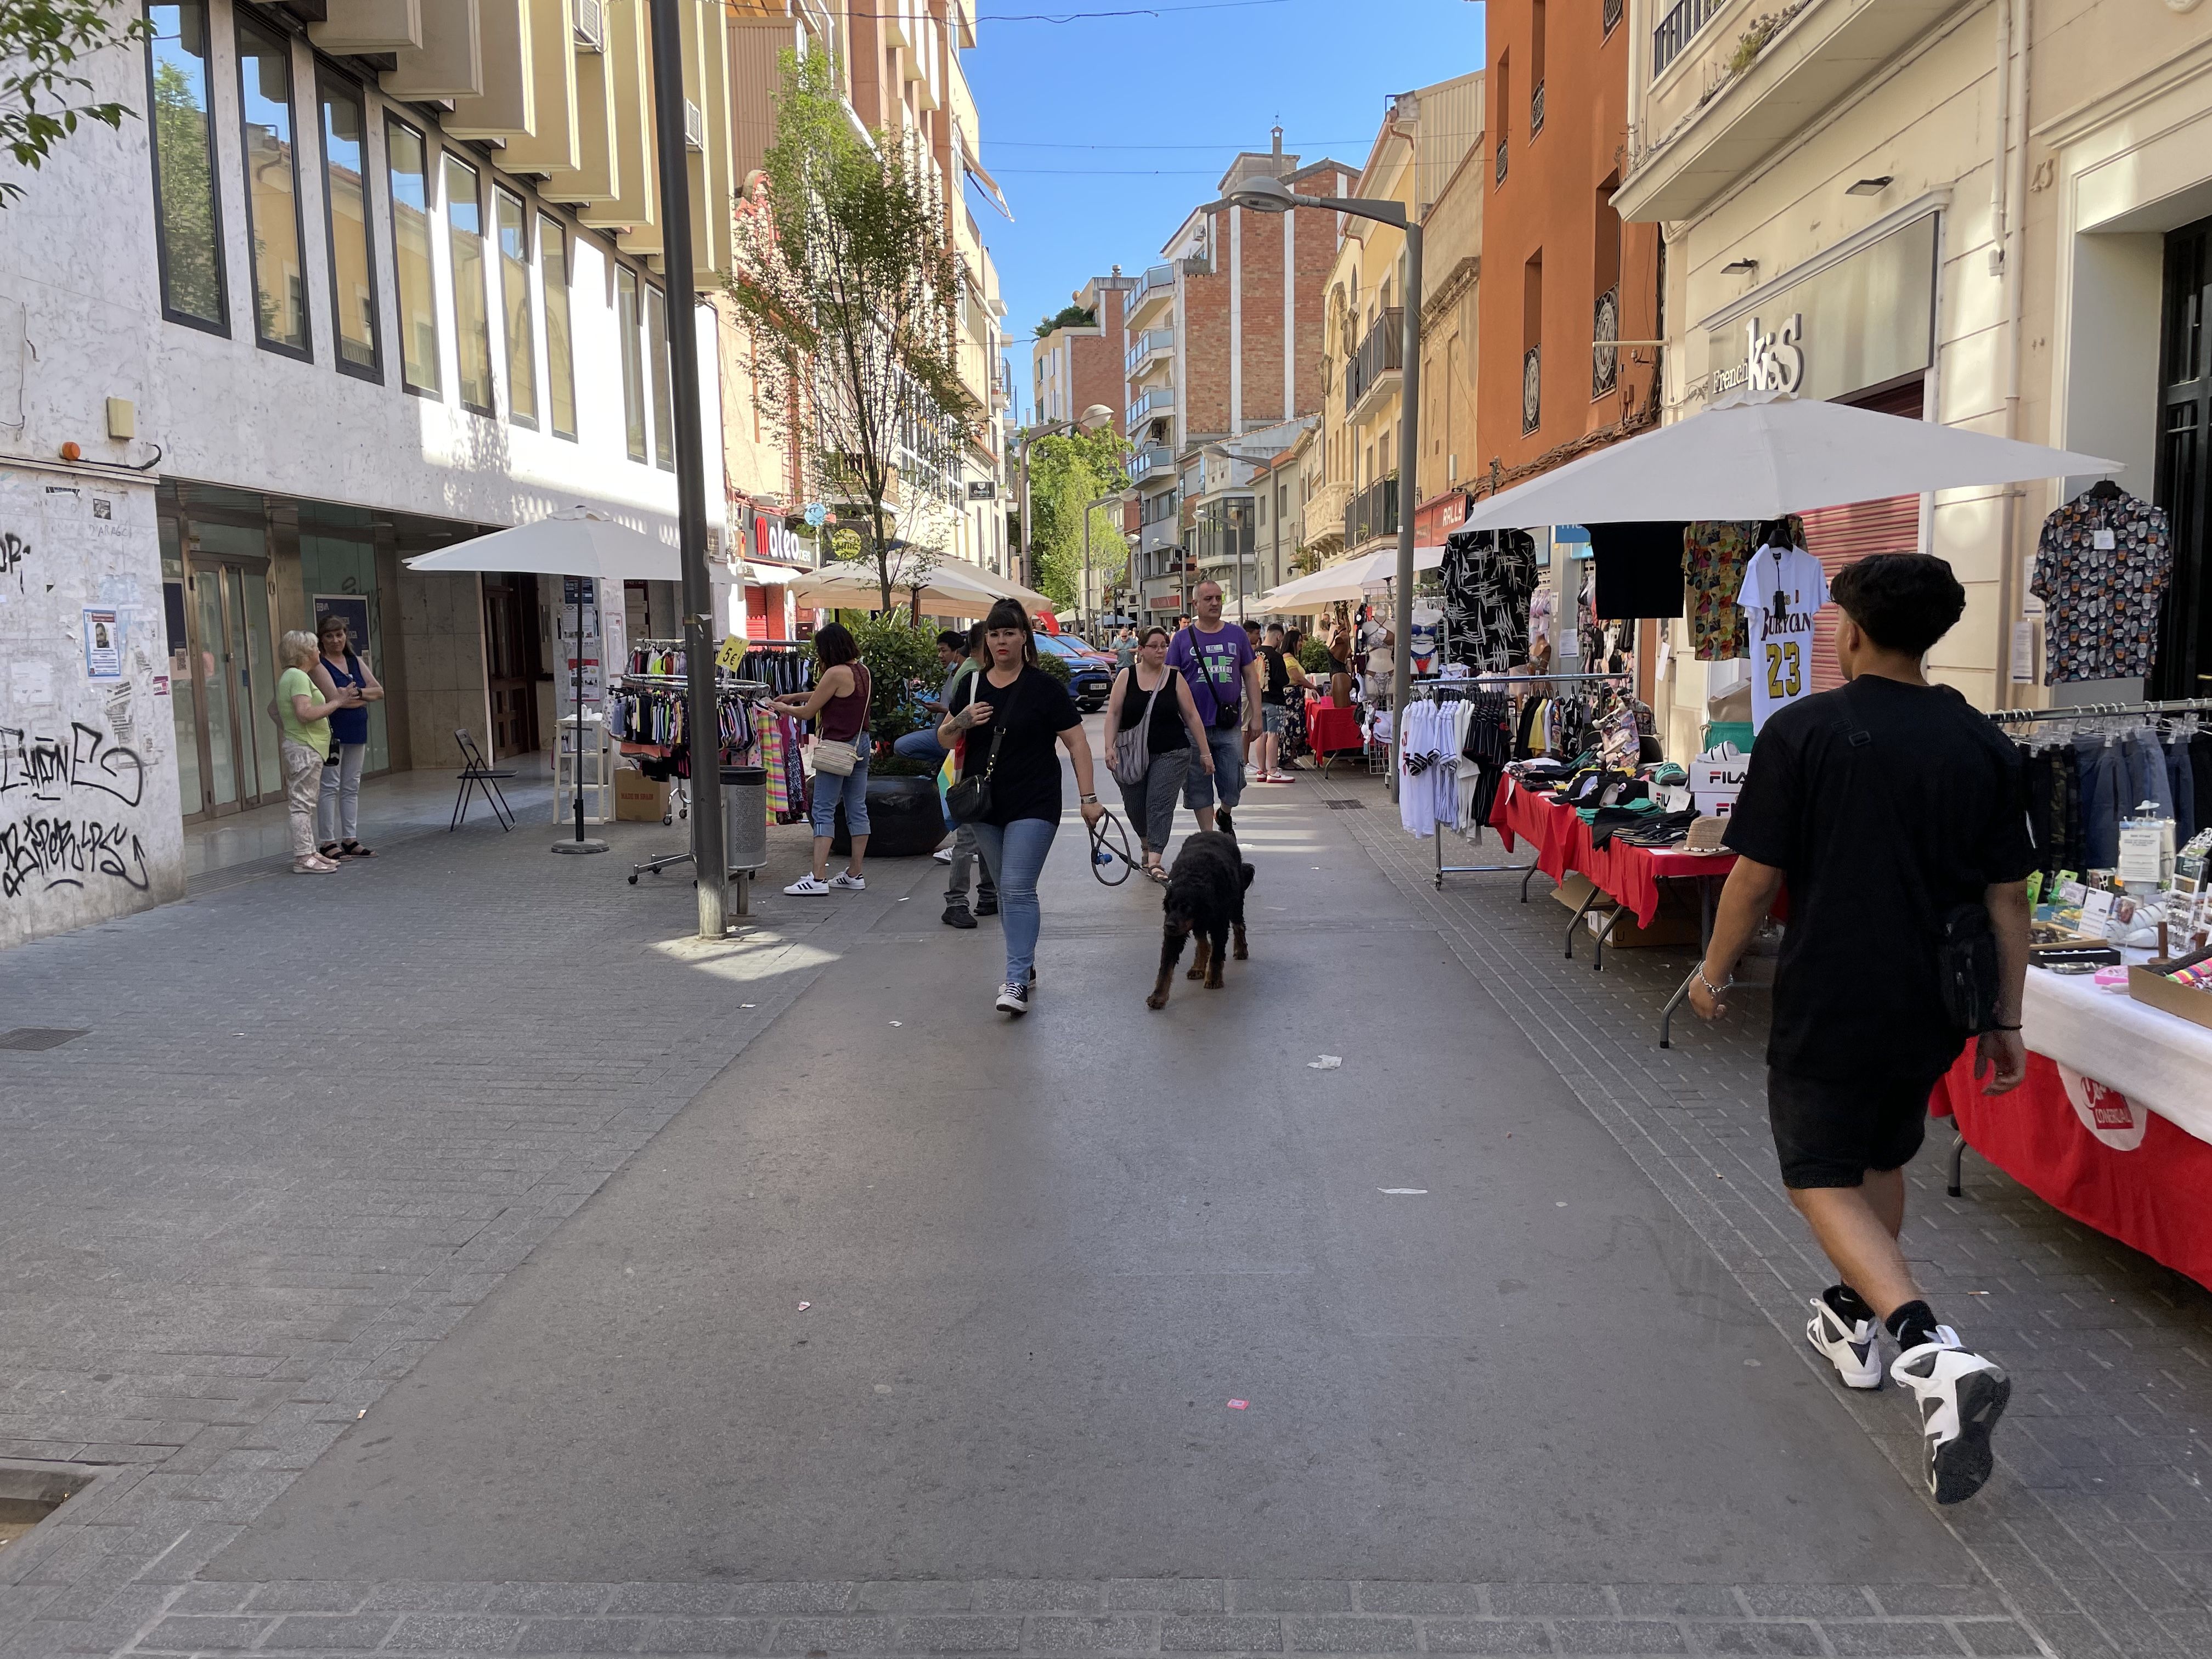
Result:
[[64, 795]]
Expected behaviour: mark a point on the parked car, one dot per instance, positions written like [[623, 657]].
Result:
[[1089, 677]]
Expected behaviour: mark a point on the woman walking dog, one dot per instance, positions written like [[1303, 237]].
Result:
[[1153, 721], [1011, 714]]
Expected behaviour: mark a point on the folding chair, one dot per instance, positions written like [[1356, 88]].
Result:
[[476, 775]]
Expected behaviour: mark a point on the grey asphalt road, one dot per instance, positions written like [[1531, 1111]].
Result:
[[1044, 1257]]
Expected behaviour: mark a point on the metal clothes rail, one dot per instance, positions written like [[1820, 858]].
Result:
[[2098, 711], [1474, 685]]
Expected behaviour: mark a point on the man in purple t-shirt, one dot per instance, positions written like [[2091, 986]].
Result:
[[1225, 679]]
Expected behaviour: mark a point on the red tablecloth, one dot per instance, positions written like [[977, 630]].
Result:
[[1330, 729], [1629, 874], [2095, 1155]]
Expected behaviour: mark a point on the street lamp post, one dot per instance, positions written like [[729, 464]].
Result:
[[1266, 193], [1089, 421], [1090, 619]]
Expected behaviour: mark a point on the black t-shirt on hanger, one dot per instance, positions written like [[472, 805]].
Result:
[[1033, 710]]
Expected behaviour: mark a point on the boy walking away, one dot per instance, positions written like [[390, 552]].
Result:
[[1896, 817]]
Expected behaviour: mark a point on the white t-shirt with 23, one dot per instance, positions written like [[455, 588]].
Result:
[[1782, 591]]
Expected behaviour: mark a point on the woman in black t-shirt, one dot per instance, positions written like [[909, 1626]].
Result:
[[1007, 719], [1175, 736]]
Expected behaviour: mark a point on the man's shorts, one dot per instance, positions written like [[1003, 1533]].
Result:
[[1274, 717], [1830, 1132], [1227, 782]]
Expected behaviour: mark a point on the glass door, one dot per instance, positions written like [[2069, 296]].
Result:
[[231, 657], [2183, 667], [212, 672], [246, 591]]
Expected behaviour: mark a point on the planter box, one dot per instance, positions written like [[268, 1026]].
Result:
[[905, 819]]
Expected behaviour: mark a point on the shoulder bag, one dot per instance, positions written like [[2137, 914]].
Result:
[[969, 801], [1132, 755], [840, 757]]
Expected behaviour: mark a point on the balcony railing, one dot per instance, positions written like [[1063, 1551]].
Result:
[[1532, 389], [1156, 280], [1604, 329], [1149, 461], [1501, 158], [1383, 352], [1160, 400], [1536, 110], [1678, 28], [1151, 340], [1612, 15], [1372, 512]]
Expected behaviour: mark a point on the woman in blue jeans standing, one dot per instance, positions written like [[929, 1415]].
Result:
[[840, 701], [1010, 715]]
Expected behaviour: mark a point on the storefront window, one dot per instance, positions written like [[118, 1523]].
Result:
[[471, 306], [346, 213], [514, 296], [272, 188], [410, 251], [187, 215]]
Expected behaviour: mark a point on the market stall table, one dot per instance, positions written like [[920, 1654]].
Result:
[[1331, 731], [2113, 1126]]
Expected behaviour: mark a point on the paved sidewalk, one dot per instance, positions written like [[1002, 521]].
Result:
[[216, 1261]]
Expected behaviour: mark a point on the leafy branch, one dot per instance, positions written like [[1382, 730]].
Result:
[[42, 95]]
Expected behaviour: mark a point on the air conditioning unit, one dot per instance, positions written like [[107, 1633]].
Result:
[[694, 126], [591, 26]]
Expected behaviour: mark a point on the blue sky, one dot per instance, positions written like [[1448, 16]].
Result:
[[1105, 132]]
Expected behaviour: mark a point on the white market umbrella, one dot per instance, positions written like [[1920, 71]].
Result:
[[575, 544], [1348, 579], [1764, 455], [964, 587]]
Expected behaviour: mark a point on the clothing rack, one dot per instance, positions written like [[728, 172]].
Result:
[[1432, 690], [2097, 711]]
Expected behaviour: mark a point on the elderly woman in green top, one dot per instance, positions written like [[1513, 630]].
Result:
[[305, 715]]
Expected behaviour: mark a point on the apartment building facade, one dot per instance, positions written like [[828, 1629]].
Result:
[[370, 278], [1985, 215], [1076, 366], [1224, 340]]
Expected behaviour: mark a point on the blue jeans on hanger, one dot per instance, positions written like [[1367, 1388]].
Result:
[[1015, 853], [2104, 779]]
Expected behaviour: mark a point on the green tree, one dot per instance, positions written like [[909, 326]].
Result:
[[847, 284], [1067, 471], [42, 95]]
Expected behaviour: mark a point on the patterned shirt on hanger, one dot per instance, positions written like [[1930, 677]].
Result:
[[2102, 567], [1714, 554]]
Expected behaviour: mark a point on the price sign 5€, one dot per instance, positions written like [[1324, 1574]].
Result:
[[732, 656]]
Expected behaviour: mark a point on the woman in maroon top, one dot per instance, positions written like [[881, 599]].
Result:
[[839, 701]]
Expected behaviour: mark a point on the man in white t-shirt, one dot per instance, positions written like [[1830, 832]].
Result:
[[1782, 588]]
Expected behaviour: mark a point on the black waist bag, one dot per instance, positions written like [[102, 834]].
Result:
[[1967, 969]]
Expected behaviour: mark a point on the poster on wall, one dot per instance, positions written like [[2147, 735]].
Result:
[[103, 645], [354, 607]]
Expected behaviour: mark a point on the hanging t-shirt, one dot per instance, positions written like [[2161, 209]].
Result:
[[1783, 589], [1489, 577], [2102, 566]]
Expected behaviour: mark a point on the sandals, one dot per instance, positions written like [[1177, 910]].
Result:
[[354, 849], [328, 849], [1158, 872], [316, 866]]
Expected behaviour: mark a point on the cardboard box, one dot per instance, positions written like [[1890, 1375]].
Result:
[[2148, 982], [1674, 922], [1714, 784], [638, 798]]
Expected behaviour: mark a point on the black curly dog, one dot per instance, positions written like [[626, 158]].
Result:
[[1204, 897]]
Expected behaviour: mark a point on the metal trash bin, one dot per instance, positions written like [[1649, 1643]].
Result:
[[744, 816]]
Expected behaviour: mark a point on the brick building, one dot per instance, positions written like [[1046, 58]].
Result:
[[1075, 365]]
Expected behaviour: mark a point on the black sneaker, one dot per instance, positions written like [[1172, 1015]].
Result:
[[1013, 1000], [956, 915], [987, 906]]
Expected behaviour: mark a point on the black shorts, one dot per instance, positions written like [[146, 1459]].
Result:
[[1829, 1132]]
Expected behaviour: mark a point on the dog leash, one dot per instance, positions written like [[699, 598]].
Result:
[[1105, 853]]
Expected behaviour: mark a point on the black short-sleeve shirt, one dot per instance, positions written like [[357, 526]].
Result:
[[1033, 710], [1884, 805]]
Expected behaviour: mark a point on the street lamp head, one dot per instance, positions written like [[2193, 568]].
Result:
[[1094, 417], [1261, 193]]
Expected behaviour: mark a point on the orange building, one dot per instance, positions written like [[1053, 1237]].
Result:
[[1561, 275]]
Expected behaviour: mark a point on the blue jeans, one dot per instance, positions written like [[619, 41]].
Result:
[[1014, 854], [921, 746], [829, 789], [1227, 782]]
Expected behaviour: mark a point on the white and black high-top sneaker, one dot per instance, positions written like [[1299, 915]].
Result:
[[1013, 998], [1961, 1396], [1849, 1344]]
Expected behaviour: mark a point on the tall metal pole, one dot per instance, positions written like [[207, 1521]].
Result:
[[708, 856], [1409, 455]]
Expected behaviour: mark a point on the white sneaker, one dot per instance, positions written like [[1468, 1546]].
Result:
[[943, 855], [1850, 1348], [807, 884], [1013, 998], [848, 882], [1961, 1396]]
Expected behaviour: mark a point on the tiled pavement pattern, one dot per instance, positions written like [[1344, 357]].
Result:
[[2097, 1528], [1173, 1616], [211, 1261]]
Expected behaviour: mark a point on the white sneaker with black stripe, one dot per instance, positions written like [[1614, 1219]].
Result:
[[1850, 1348], [1961, 1396], [1013, 998]]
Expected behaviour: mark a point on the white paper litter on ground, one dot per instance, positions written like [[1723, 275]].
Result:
[[1325, 1063], [1404, 1192]]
